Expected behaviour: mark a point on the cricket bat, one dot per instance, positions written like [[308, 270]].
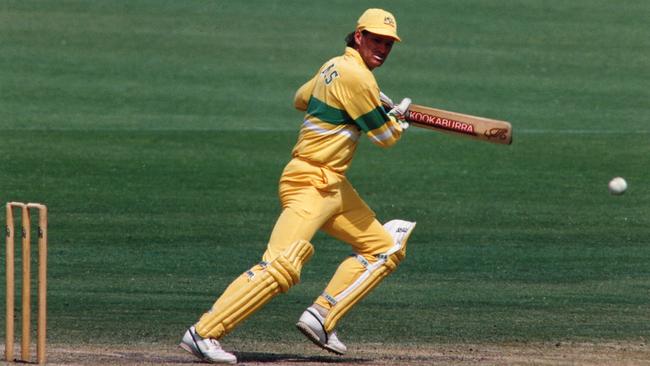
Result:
[[454, 123]]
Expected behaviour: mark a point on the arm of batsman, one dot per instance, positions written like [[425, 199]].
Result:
[[385, 100]]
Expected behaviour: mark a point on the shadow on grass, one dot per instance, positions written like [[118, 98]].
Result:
[[293, 358], [106, 356]]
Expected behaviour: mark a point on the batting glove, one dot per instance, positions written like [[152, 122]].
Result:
[[399, 112]]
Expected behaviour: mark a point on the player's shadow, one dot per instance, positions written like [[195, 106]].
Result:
[[262, 357]]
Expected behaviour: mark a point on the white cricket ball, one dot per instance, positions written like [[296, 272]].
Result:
[[617, 186]]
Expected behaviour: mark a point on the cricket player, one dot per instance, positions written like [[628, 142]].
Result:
[[341, 104]]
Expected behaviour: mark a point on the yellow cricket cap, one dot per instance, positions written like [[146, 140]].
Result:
[[378, 21]]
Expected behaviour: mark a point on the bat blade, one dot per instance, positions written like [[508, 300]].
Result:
[[480, 128]]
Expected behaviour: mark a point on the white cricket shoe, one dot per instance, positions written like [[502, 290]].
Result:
[[311, 324], [207, 349]]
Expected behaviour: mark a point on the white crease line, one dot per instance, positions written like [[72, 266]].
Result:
[[580, 132]]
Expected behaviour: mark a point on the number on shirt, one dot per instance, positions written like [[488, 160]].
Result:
[[329, 74]]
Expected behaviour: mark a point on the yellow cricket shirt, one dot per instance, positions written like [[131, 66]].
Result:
[[341, 101]]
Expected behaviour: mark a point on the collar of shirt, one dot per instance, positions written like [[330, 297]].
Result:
[[351, 52]]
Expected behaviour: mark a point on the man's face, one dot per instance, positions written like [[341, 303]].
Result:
[[373, 48]]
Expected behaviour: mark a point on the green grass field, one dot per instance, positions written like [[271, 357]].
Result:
[[156, 131]]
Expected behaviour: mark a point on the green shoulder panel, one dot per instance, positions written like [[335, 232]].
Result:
[[326, 113]]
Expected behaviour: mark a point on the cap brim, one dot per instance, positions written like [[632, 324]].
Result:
[[383, 32]]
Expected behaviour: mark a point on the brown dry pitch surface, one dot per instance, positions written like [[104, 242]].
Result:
[[624, 353]]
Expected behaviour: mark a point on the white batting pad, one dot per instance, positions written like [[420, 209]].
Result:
[[399, 230]]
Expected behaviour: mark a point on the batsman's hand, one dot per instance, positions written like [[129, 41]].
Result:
[[399, 112]]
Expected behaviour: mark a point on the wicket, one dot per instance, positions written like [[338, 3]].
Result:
[[26, 282]]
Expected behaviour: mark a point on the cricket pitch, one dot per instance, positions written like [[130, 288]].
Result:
[[623, 353]]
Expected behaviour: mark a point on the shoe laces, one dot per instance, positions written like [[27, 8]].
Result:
[[213, 344]]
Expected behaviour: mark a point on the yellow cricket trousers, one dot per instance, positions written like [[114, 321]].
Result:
[[315, 198]]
